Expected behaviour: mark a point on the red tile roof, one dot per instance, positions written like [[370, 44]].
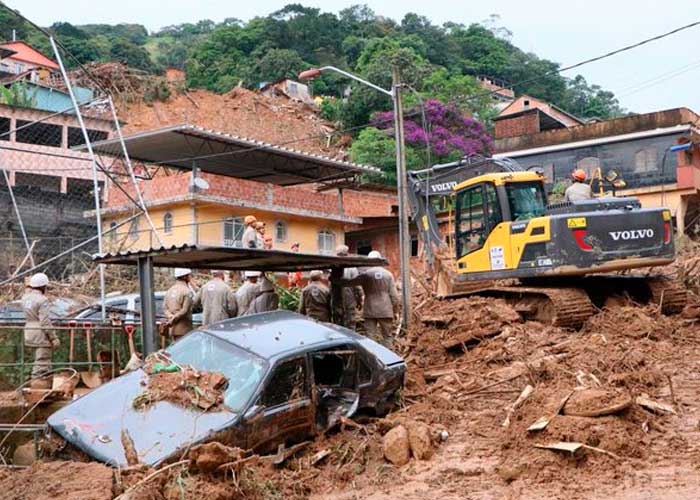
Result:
[[29, 54]]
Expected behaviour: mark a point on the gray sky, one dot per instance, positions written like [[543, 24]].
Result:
[[657, 76]]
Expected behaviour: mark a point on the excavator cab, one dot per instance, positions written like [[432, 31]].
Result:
[[482, 206]]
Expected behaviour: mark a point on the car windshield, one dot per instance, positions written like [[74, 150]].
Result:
[[526, 200], [205, 352]]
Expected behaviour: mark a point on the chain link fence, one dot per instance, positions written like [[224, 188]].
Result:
[[52, 187]]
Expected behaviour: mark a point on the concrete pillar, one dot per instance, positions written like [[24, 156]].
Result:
[[680, 214]]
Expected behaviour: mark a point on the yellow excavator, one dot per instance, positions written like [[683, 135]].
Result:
[[554, 262]]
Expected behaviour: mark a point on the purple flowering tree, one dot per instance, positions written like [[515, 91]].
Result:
[[449, 133]]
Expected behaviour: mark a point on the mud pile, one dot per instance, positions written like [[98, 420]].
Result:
[[181, 385], [58, 481], [275, 120]]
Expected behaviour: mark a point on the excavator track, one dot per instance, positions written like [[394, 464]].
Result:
[[562, 307], [670, 293]]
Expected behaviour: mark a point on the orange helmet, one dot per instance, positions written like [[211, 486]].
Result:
[[579, 175]]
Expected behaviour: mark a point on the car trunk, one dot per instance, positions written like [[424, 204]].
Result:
[[94, 423]]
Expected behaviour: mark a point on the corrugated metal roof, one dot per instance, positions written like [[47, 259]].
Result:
[[185, 146], [237, 259]]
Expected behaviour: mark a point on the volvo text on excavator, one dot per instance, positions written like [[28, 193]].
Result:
[[554, 262]]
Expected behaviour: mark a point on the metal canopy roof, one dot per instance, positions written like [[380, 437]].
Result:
[[237, 259], [186, 146]]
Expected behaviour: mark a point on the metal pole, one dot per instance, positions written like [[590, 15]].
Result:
[[148, 310], [19, 217], [95, 183], [127, 159], [401, 179]]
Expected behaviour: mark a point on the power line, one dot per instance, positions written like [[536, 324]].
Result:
[[661, 79]]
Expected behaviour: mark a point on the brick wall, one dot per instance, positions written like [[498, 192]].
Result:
[[526, 124], [305, 198]]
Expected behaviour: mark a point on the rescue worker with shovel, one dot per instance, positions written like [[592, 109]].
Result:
[[178, 305], [37, 329]]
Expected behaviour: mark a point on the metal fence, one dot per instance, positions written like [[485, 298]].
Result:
[[84, 346], [53, 188]]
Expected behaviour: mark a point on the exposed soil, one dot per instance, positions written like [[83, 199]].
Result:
[[275, 119], [58, 481]]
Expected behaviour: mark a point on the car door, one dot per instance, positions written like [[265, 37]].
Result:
[[335, 384], [286, 412]]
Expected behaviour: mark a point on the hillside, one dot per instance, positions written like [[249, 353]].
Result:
[[220, 56]]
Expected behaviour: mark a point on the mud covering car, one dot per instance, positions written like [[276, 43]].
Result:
[[289, 378]]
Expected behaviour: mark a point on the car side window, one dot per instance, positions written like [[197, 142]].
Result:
[[288, 383]]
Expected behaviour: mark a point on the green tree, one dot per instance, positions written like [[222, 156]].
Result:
[[375, 147], [278, 64]]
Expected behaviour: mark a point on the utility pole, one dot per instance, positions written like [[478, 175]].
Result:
[[402, 187], [402, 179]]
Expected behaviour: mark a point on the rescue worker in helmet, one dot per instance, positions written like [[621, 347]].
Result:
[[217, 300], [250, 235], [37, 329], [579, 190], [247, 291], [178, 305]]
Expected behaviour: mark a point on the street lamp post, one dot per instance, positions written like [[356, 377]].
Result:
[[402, 187]]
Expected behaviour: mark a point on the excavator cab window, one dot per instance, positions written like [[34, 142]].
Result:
[[478, 212], [526, 199]]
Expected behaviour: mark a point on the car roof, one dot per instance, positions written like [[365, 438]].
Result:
[[273, 334], [129, 296]]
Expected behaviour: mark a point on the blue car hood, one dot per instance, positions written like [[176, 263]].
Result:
[[94, 423]]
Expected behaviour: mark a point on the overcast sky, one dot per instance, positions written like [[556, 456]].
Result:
[[658, 76]]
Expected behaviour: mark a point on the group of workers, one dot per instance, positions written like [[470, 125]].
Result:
[[371, 292], [216, 300], [254, 235]]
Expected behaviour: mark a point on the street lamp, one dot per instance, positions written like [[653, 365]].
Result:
[[404, 233]]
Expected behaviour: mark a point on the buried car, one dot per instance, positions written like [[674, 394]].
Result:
[[289, 377]]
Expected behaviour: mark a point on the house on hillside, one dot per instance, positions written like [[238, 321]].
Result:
[[18, 57], [634, 148], [527, 115], [294, 90]]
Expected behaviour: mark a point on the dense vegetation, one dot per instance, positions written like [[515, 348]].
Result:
[[439, 63]]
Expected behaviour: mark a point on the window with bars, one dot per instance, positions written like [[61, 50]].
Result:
[[326, 242], [134, 229], [645, 160], [233, 232], [168, 222], [281, 231]]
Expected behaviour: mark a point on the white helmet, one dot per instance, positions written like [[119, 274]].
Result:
[[251, 274], [374, 255], [39, 280], [182, 271]]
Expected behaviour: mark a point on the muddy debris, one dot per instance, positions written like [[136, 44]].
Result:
[[58, 481], [181, 385]]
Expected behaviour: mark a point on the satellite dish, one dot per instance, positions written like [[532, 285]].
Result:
[[200, 183]]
